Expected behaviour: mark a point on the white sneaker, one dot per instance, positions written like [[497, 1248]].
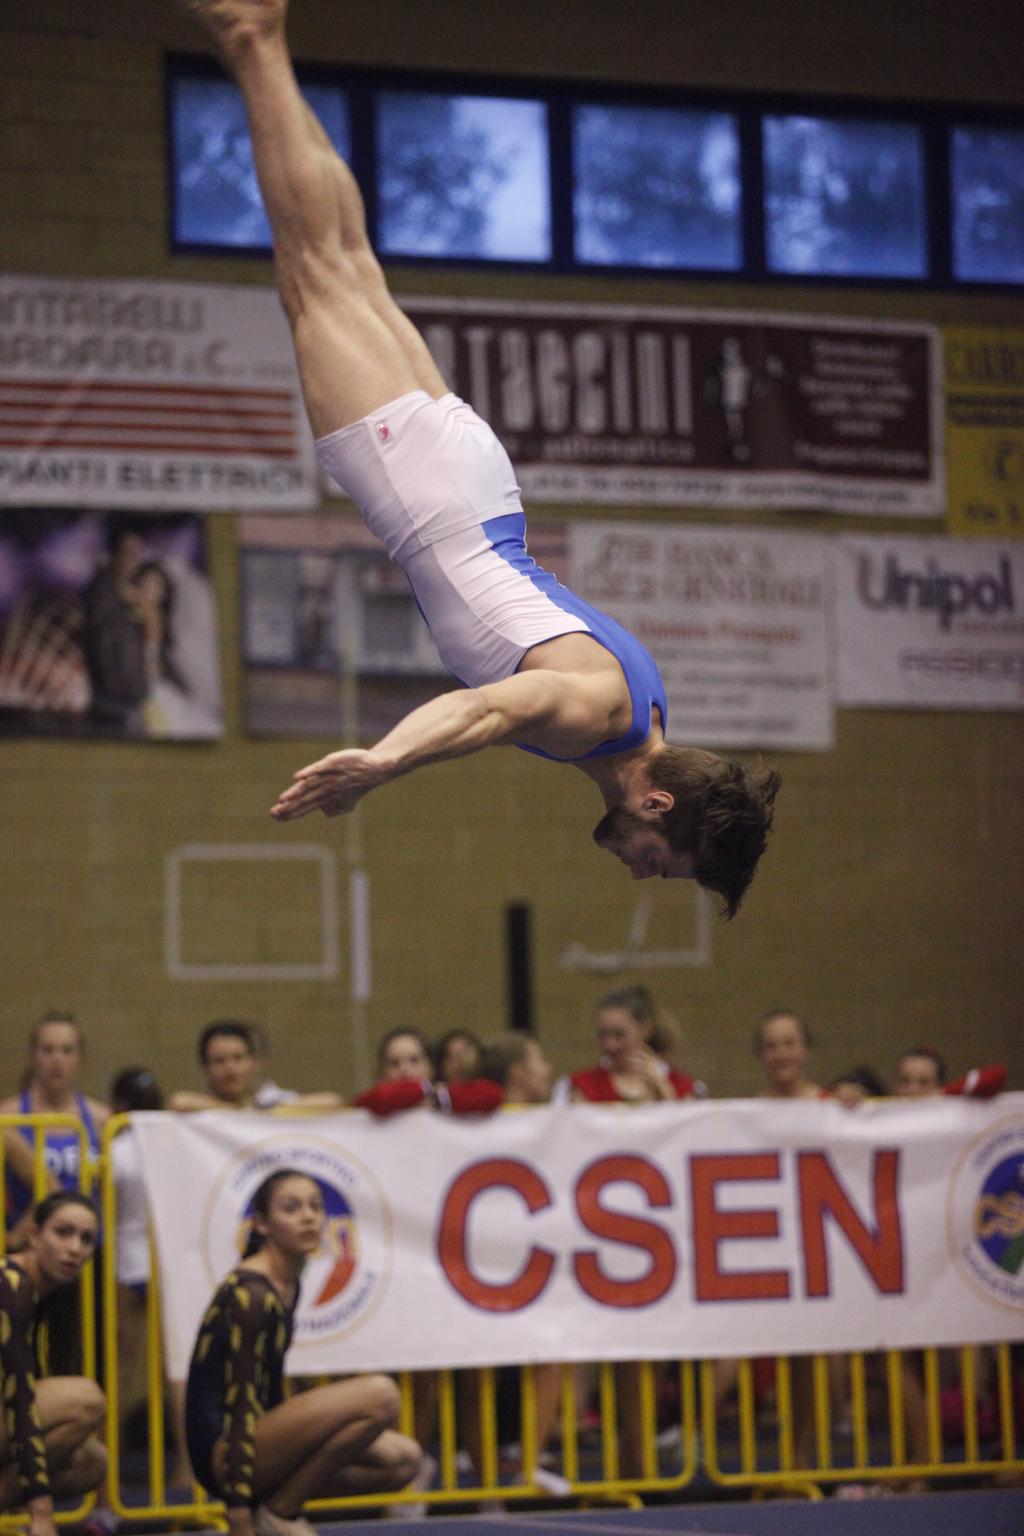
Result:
[[553, 1483]]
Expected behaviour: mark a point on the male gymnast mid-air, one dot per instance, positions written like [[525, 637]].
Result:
[[542, 669]]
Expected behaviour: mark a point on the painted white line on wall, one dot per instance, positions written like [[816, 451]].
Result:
[[577, 957], [179, 969]]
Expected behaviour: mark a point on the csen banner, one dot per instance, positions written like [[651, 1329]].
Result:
[[929, 623], [725, 1229], [603, 403], [985, 431], [131, 394]]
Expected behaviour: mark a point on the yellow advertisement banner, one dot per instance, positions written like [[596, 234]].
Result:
[[984, 372]]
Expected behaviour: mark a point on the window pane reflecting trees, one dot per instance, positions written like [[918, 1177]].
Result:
[[656, 187], [217, 198], [987, 172], [844, 197], [463, 176]]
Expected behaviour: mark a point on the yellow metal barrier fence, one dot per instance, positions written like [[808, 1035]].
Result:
[[867, 1417], [824, 1420]]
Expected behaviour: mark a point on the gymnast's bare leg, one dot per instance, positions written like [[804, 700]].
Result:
[[356, 350]]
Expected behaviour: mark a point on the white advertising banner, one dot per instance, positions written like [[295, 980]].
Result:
[[591, 1232], [930, 623], [736, 619], [149, 395]]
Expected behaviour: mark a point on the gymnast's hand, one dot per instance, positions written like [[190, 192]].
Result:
[[334, 785]]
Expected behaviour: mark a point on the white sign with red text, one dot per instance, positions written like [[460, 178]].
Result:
[[129, 393], [591, 1232], [737, 620]]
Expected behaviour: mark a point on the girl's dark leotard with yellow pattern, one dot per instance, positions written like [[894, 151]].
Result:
[[236, 1374], [18, 1366]]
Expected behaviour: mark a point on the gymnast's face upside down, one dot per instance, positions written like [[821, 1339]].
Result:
[[642, 847]]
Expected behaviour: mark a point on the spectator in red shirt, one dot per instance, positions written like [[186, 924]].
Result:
[[630, 1070], [456, 1056], [921, 1073], [405, 1081]]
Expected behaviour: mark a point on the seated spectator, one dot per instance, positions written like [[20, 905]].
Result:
[[404, 1081], [921, 1073], [49, 1449], [630, 1070], [517, 1063], [456, 1056], [56, 1059], [229, 1054], [226, 1055], [859, 1083], [263, 1453], [404, 1054], [783, 1045], [135, 1089]]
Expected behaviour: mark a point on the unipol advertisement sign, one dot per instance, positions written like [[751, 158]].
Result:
[[149, 395], [930, 623], [709, 408], [736, 619], [589, 1232]]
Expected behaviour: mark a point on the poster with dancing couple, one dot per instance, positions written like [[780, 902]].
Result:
[[107, 627]]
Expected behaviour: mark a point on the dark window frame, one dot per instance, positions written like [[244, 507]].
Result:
[[936, 120]]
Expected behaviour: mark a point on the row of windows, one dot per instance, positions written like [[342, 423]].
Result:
[[558, 180]]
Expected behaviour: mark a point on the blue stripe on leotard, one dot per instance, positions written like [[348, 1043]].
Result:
[[507, 536]]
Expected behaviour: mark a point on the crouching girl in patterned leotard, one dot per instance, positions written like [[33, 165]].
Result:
[[263, 1455], [48, 1448]]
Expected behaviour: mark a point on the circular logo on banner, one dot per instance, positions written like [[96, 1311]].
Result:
[[985, 1217], [346, 1278]]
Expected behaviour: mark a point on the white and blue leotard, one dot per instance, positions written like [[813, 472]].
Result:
[[437, 488]]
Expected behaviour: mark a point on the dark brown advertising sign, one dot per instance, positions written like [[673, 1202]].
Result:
[[678, 407]]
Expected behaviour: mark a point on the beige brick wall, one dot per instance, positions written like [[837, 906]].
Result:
[[889, 909]]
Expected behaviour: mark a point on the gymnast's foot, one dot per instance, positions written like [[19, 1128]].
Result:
[[233, 24], [266, 1522]]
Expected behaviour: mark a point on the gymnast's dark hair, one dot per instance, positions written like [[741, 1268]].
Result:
[[721, 815], [59, 1313], [261, 1205]]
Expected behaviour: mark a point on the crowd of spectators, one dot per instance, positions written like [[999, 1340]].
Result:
[[635, 1047]]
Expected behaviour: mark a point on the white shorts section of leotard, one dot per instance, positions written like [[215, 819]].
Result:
[[426, 474], [420, 469]]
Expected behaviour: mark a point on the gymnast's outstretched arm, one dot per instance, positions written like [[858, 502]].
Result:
[[566, 713]]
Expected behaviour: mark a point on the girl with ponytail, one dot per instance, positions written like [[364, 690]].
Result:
[[263, 1455]]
